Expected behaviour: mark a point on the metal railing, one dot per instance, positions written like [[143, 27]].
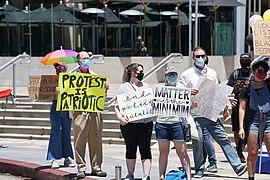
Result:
[[154, 69], [13, 63]]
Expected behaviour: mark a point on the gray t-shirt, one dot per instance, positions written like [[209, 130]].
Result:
[[168, 119], [128, 87]]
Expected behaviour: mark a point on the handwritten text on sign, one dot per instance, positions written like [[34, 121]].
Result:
[[136, 105], [43, 87], [261, 38], [211, 99], [81, 92], [171, 101]]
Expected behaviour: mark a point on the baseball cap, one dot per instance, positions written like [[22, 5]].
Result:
[[170, 70], [245, 57]]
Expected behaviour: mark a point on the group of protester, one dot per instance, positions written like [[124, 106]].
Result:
[[250, 115]]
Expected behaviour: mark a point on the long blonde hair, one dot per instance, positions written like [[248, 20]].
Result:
[[128, 70]]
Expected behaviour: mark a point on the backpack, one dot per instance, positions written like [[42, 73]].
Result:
[[176, 175]]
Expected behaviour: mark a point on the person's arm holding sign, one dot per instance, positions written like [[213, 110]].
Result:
[[121, 117]]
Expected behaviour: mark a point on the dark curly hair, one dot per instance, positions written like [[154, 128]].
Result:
[[128, 70], [262, 64]]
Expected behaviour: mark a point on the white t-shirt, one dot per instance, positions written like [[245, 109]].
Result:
[[190, 77], [128, 87]]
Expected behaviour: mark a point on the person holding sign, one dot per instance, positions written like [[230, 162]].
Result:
[[87, 128], [60, 141], [170, 128], [190, 79], [255, 98], [139, 132]]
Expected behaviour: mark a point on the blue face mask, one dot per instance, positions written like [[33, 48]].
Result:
[[86, 63], [171, 79], [199, 62]]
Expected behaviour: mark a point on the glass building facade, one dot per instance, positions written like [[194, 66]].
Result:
[[114, 34]]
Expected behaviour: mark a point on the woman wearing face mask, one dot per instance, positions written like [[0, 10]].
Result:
[[256, 97], [169, 128], [136, 133], [60, 142]]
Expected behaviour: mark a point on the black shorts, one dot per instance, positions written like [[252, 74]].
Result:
[[235, 118]]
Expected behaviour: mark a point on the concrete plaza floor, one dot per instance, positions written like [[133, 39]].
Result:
[[35, 151]]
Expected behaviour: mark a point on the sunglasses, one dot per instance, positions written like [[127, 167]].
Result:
[[138, 72], [260, 70], [201, 55]]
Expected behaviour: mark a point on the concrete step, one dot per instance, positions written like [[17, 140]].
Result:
[[35, 130], [35, 113], [26, 121]]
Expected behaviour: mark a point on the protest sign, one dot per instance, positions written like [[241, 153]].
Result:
[[81, 92], [43, 87], [211, 99], [171, 101], [261, 38], [136, 105]]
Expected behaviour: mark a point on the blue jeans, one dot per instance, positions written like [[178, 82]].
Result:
[[217, 131], [60, 141], [209, 147]]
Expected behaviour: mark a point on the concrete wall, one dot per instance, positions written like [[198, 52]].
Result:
[[113, 68]]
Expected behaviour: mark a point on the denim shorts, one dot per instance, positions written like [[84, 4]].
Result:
[[169, 132], [254, 127]]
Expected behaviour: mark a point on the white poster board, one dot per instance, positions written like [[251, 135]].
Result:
[[136, 105], [171, 101], [212, 98]]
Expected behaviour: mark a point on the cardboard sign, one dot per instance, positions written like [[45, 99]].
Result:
[[136, 105], [171, 101], [261, 38], [43, 87], [81, 92], [211, 99]]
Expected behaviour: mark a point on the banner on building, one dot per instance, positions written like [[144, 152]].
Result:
[[43, 87], [81, 92], [171, 101], [136, 105], [261, 38]]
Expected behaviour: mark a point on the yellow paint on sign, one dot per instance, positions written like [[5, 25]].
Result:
[[81, 92]]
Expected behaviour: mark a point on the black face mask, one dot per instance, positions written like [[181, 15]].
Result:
[[140, 76], [245, 65]]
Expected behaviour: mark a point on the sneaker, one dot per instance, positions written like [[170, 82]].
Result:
[[55, 164], [68, 163], [81, 174], [198, 174], [146, 177], [129, 177], [242, 170], [211, 168], [99, 173]]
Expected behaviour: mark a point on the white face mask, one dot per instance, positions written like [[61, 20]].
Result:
[[199, 62]]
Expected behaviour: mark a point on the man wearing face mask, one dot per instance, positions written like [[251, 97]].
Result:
[[87, 128], [189, 79], [238, 79]]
